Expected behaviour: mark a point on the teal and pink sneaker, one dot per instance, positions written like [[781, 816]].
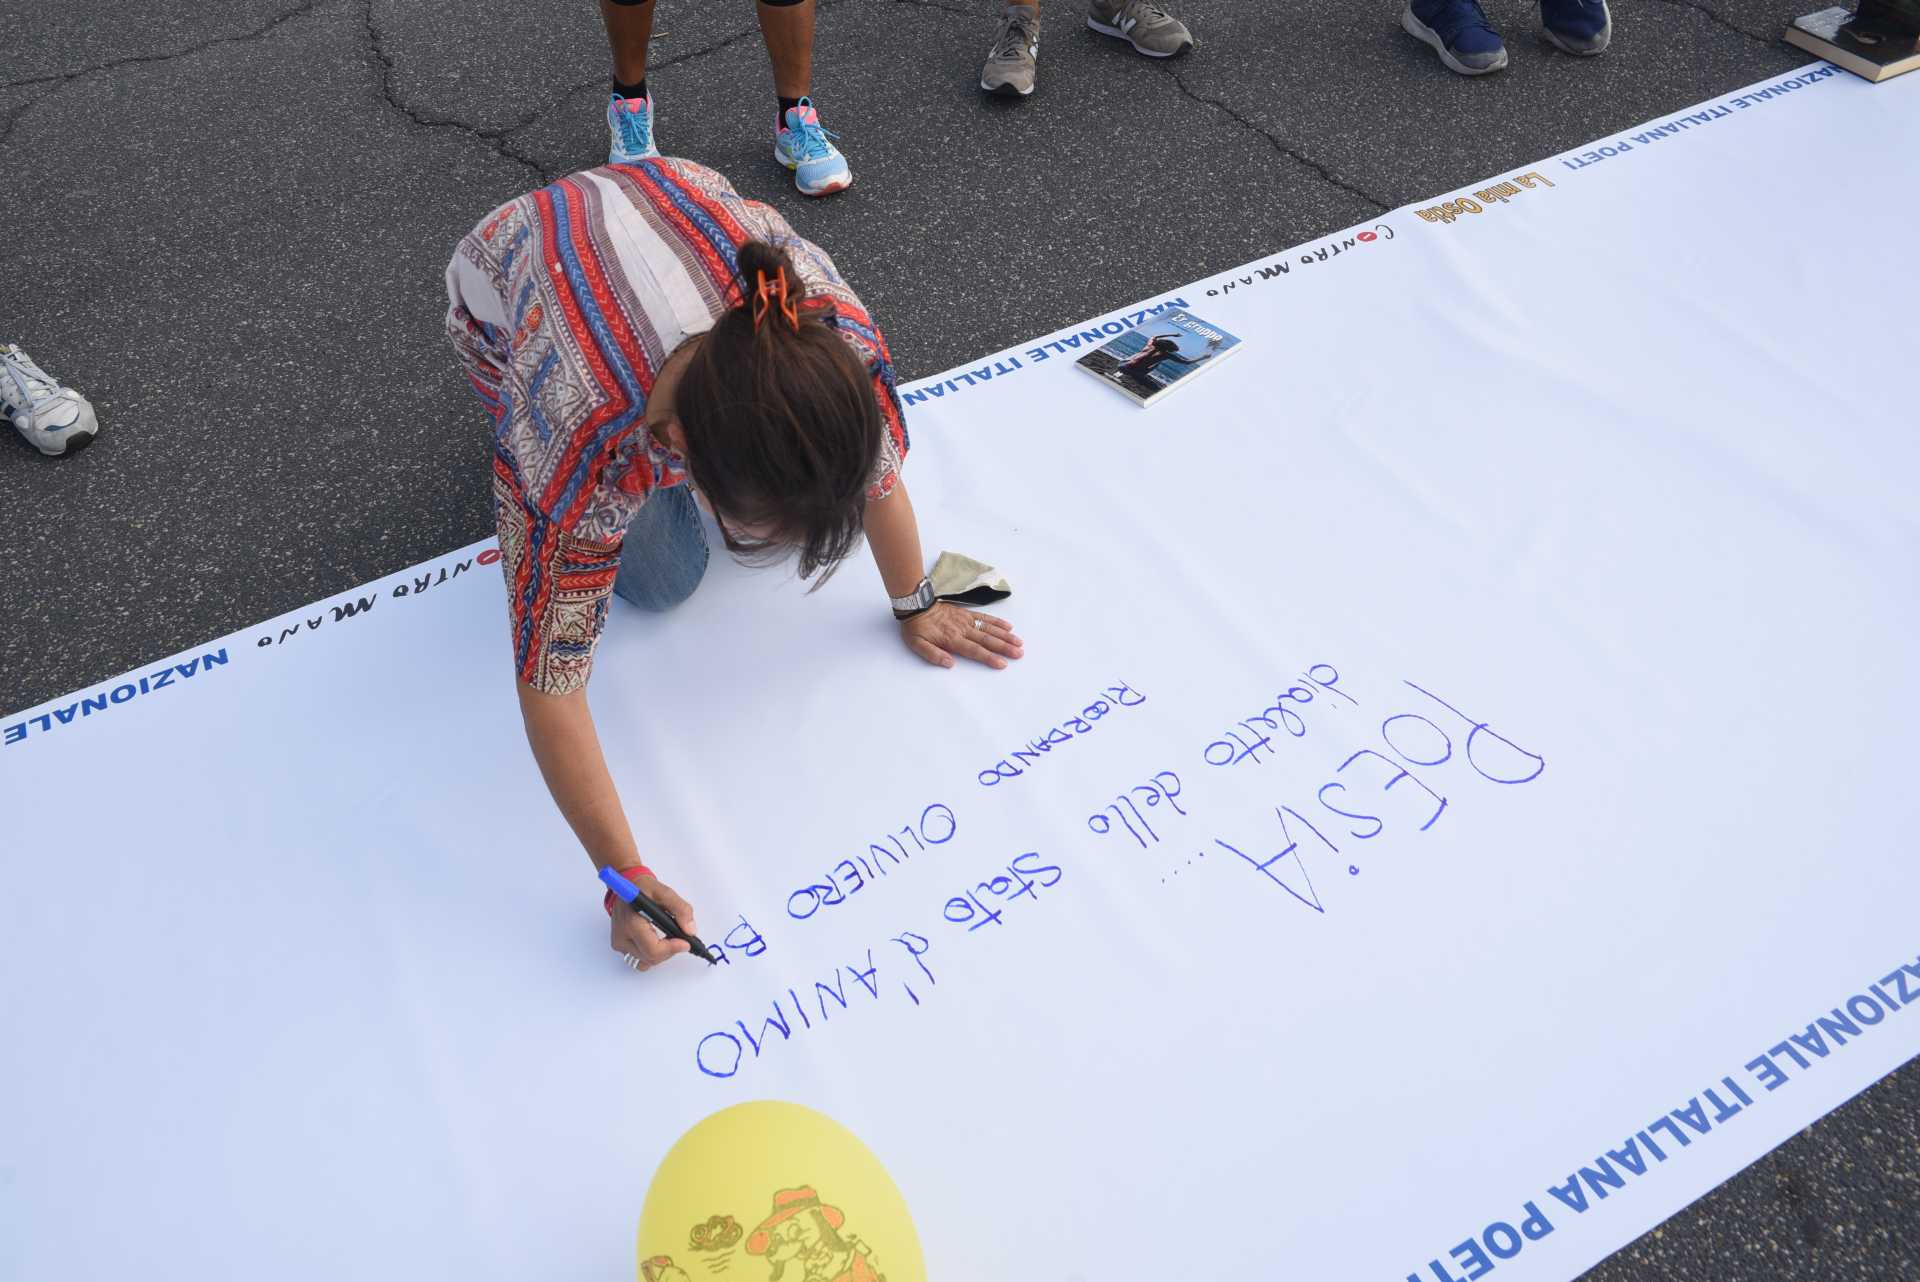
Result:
[[630, 124], [802, 145]]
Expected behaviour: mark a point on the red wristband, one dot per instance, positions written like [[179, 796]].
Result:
[[638, 870]]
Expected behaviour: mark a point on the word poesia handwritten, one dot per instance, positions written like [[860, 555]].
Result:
[[1360, 797]]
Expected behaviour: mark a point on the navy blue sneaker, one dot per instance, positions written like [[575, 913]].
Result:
[[1459, 32], [1578, 27]]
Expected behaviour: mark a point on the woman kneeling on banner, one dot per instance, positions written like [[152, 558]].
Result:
[[644, 337]]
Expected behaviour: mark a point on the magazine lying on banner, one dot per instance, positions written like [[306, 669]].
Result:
[[1148, 362]]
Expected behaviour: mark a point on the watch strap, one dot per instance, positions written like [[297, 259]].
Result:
[[918, 601]]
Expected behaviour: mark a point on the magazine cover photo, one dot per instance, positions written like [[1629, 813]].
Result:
[[1149, 361]]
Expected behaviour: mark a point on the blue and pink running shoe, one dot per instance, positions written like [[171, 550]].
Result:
[[630, 123], [804, 146]]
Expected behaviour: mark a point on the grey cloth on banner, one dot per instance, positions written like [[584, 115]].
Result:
[[965, 581]]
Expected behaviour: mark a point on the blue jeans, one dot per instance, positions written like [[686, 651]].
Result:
[[664, 556]]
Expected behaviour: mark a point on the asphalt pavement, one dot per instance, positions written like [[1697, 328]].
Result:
[[226, 224]]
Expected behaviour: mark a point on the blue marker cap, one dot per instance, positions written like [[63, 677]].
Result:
[[619, 885]]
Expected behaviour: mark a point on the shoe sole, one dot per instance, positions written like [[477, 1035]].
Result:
[[1601, 41], [72, 445], [1428, 36], [1006, 90], [794, 169], [1094, 24]]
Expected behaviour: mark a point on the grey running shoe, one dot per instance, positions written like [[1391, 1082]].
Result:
[[1010, 63], [55, 419], [1144, 25], [1579, 27]]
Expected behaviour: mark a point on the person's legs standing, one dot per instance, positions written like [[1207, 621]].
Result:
[[629, 26], [664, 555], [799, 140], [787, 27]]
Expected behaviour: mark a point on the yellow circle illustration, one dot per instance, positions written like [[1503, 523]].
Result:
[[776, 1191]]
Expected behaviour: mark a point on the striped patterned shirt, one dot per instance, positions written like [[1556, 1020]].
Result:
[[563, 304]]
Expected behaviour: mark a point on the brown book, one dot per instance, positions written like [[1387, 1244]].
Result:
[[1829, 34]]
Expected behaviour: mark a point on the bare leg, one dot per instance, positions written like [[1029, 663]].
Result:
[[788, 31], [629, 27]]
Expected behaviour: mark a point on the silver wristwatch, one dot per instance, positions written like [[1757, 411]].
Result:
[[918, 601]]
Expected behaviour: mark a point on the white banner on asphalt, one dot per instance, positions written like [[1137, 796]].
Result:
[[1452, 814]]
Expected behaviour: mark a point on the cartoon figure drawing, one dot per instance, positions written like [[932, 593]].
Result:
[[804, 1234], [661, 1268]]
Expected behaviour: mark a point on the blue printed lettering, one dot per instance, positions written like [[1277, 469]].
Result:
[[1721, 1109], [1839, 1027], [1629, 1157], [1603, 1179], [1571, 1194], [1694, 1115], [1472, 1260], [1866, 1018], [1767, 1073]]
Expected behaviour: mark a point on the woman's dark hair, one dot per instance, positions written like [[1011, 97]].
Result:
[[781, 423]]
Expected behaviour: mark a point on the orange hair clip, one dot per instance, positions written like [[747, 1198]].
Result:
[[771, 293]]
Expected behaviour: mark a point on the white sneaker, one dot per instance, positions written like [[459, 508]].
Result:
[[55, 420]]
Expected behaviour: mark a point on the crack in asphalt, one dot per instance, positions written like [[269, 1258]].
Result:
[[497, 140], [1279, 144], [1716, 16], [58, 80], [300, 10], [12, 117]]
